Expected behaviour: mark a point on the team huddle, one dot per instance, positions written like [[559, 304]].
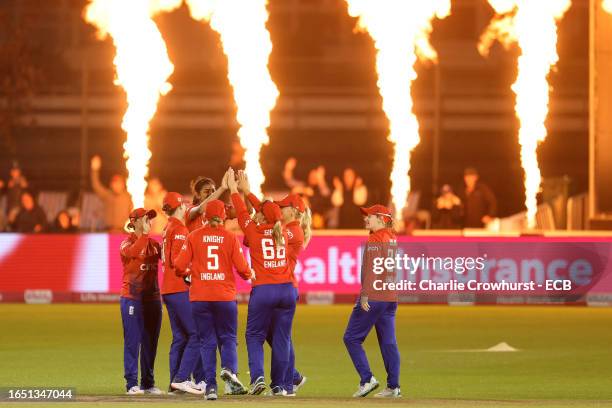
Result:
[[199, 256]]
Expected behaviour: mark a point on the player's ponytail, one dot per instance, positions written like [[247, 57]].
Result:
[[215, 222], [306, 224], [277, 234]]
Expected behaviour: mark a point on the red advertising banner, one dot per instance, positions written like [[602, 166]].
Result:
[[526, 270]]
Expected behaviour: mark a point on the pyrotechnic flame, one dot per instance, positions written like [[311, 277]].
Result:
[[532, 25], [607, 6], [142, 69], [246, 42], [400, 31]]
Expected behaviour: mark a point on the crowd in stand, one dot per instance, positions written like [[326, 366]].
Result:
[[335, 206]]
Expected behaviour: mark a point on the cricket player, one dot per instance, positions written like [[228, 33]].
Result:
[[203, 190], [212, 251], [185, 347], [141, 309], [272, 301], [378, 314], [297, 220]]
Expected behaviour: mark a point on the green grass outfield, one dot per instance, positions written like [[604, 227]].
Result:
[[565, 356]]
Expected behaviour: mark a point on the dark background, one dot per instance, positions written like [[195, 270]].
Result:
[[45, 44]]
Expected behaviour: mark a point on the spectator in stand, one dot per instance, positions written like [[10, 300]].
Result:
[[479, 203], [63, 224], [448, 211], [15, 186], [316, 191], [29, 217], [154, 200], [348, 196], [75, 218], [117, 201]]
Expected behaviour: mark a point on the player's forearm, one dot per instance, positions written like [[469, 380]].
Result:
[[200, 208], [134, 250]]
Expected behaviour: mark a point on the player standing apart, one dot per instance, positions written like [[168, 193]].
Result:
[[272, 300], [212, 251], [380, 315], [141, 309], [185, 347]]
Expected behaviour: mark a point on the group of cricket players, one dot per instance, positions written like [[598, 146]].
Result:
[[199, 257]]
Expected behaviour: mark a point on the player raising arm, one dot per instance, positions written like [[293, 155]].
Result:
[[203, 190], [185, 347], [272, 301], [297, 220], [141, 309], [380, 314], [212, 251]]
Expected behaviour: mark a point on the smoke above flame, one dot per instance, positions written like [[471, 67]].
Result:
[[532, 26], [400, 31]]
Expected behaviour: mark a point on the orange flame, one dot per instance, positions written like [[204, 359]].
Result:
[[246, 42], [142, 68], [532, 25], [400, 30]]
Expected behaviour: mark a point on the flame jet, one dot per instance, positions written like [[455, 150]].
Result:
[[532, 25], [142, 69], [400, 31], [241, 25]]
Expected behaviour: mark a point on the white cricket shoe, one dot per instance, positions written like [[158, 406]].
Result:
[[232, 382], [153, 391], [366, 388], [389, 393], [258, 386], [211, 394], [299, 384], [186, 386], [276, 392], [135, 390], [199, 386]]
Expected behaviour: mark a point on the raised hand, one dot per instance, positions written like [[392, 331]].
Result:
[[224, 181], [290, 164], [243, 182], [146, 225], [96, 163], [231, 180]]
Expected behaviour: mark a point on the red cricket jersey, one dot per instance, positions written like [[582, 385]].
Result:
[[211, 252], [382, 235], [174, 235], [140, 259], [295, 245], [197, 222], [268, 261]]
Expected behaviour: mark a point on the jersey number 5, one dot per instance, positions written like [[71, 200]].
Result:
[[213, 258]]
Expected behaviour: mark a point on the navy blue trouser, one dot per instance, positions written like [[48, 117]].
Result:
[[185, 348], [382, 317], [141, 324], [217, 325], [271, 306], [293, 375]]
